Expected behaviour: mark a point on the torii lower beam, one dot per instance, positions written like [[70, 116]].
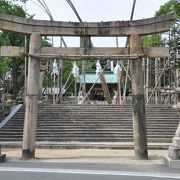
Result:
[[15, 51]]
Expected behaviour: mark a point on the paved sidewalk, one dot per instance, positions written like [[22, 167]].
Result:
[[90, 155]]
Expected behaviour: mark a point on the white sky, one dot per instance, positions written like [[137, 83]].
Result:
[[95, 10]]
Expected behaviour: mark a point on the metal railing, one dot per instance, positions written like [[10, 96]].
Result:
[[9, 117]]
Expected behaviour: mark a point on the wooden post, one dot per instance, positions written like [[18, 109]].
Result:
[[41, 78], [157, 82], [147, 79], [119, 88], [105, 88], [178, 87], [30, 122], [54, 88], [138, 101]]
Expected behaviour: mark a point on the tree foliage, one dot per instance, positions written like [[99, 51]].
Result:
[[154, 40], [12, 39], [174, 38], [157, 40], [170, 6], [16, 65]]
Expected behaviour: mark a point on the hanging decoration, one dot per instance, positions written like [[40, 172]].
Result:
[[55, 69], [117, 69], [112, 65], [75, 70], [98, 67]]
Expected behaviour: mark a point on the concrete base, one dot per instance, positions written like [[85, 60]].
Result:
[[176, 141], [173, 163], [174, 153], [141, 154], [2, 158], [28, 154]]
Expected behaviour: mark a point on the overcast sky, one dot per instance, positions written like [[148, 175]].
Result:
[[95, 10]]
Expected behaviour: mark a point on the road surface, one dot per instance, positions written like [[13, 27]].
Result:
[[57, 170]]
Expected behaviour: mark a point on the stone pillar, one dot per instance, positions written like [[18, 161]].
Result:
[[85, 42], [174, 150], [138, 100], [30, 122]]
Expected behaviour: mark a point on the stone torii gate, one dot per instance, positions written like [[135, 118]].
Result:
[[85, 30]]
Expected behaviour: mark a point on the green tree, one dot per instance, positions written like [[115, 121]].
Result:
[[154, 40], [16, 65], [12, 39], [170, 6], [174, 39], [157, 40]]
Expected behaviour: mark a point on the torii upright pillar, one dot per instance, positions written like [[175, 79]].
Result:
[[30, 122], [138, 100]]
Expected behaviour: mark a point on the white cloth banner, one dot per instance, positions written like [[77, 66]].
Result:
[[75, 70], [55, 69], [117, 70], [98, 67], [112, 66]]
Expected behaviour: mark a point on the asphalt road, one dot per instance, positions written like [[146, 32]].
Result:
[[55, 170]]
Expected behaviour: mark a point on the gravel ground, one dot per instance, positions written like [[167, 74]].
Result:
[[91, 155]]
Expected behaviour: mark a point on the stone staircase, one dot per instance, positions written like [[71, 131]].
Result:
[[93, 123]]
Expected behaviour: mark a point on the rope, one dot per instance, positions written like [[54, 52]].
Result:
[[87, 57]]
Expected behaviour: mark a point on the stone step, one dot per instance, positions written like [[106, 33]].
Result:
[[92, 126], [88, 136], [64, 123], [102, 119], [90, 139], [116, 113], [89, 131], [127, 123]]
